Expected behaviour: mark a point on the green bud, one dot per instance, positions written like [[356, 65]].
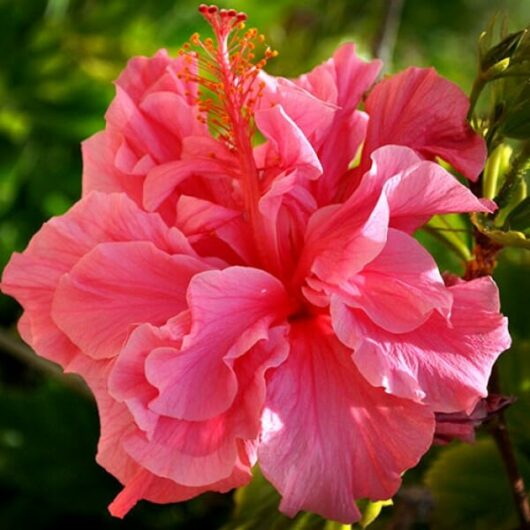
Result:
[[502, 51], [494, 71]]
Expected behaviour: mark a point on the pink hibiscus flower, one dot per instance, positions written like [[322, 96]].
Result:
[[230, 303]]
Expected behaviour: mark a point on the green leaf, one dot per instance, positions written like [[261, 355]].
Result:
[[507, 238], [471, 489], [371, 511], [257, 508], [519, 218]]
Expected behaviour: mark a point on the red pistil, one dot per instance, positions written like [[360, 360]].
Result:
[[228, 76]]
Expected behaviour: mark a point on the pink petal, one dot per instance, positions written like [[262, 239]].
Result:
[[341, 239], [328, 436], [399, 173], [162, 180], [288, 142], [99, 169], [351, 77], [116, 423], [172, 112], [212, 227], [311, 114], [400, 288], [422, 110], [287, 207], [440, 192], [197, 452], [323, 106], [444, 364], [100, 298], [143, 134], [150, 487], [231, 311], [337, 152], [144, 75], [32, 277], [127, 382]]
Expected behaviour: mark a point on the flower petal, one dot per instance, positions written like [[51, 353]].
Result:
[[215, 230], [440, 192], [399, 173], [231, 311], [162, 180], [192, 453], [328, 436], [400, 288], [146, 485], [100, 298], [343, 79], [32, 277], [444, 364], [288, 142], [311, 114], [341, 239], [116, 423], [420, 109]]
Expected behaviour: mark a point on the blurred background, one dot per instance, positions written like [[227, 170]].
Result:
[[57, 62]]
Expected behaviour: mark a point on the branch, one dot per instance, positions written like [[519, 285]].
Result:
[[385, 40], [27, 356], [499, 431], [482, 265]]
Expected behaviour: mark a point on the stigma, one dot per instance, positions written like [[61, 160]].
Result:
[[226, 69]]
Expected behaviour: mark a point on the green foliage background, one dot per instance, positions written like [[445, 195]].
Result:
[[57, 61]]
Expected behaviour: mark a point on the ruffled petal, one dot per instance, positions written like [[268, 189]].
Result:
[[328, 436], [215, 230], [231, 311], [146, 485], [422, 110], [191, 453], [343, 79], [162, 180], [445, 364], [116, 424], [99, 299], [341, 239], [312, 114], [400, 288], [400, 173], [32, 277], [287, 142]]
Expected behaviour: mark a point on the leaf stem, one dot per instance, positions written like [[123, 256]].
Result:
[[476, 90]]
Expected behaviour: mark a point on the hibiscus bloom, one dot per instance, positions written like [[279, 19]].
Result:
[[229, 303]]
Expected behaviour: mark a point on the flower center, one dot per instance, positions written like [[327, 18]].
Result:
[[227, 75]]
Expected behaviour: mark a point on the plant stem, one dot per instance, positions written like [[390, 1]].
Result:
[[499, 431], [483, 265], [27, 356], [385, 40], [476, 90]]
